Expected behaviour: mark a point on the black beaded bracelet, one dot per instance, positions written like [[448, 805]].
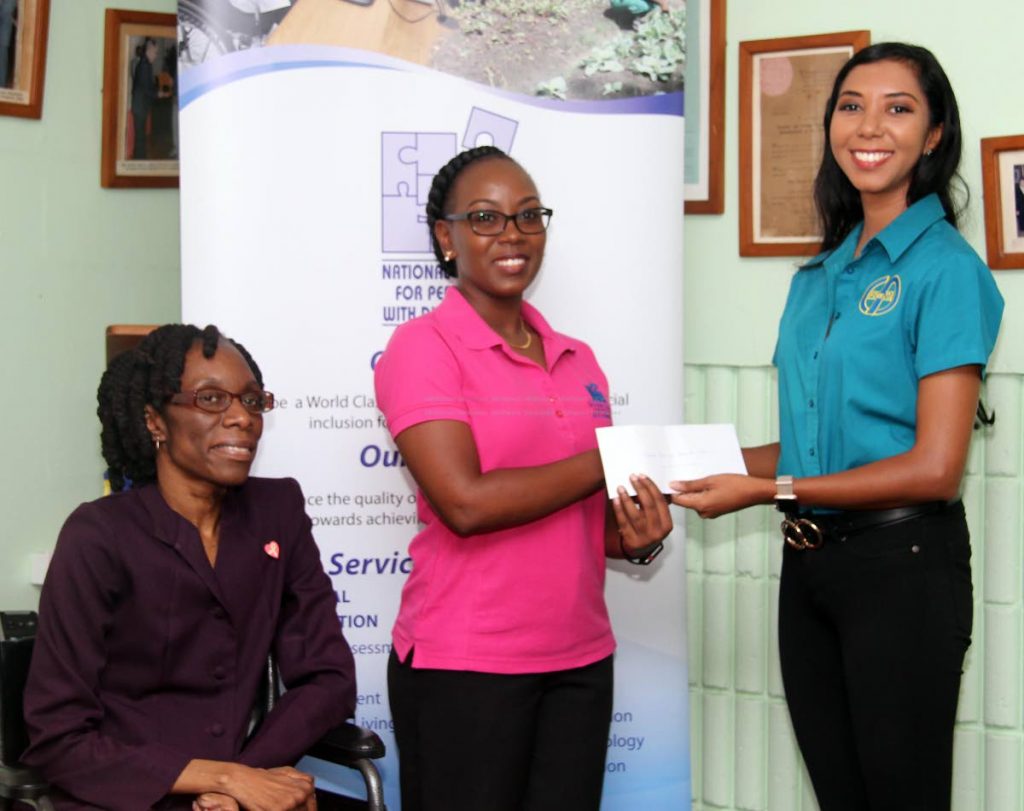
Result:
[[644, 556]]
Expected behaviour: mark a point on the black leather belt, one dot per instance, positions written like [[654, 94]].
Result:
[[810, 530]]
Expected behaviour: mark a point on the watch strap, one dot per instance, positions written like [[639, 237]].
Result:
[[643, 556], [785, 497]]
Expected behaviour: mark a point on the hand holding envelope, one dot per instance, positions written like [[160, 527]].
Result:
[[643, 521], [667, 452]]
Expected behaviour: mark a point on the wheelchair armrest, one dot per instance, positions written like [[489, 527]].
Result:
[[348, 743], [19, 783]]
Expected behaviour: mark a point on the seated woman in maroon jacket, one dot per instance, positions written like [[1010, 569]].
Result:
[[162, 602]]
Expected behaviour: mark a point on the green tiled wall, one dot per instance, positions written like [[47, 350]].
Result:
[[744, 755]]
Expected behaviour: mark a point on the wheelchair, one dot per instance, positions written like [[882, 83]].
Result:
[[347, 745]]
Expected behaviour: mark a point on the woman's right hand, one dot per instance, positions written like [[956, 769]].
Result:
[[723, 493]]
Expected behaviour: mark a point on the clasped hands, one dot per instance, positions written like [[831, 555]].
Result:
[[278, 789]]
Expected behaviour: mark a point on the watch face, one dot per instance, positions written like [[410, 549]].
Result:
[[784, 487]]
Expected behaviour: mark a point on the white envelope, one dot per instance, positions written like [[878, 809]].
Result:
[[666, 453]]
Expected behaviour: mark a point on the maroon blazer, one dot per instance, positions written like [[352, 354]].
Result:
[[148, 657]]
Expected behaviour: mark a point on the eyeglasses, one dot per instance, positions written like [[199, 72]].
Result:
[[216, 401], [487, 223]]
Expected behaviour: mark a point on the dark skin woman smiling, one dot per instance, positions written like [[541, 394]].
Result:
[[163, 601], [503, 638]]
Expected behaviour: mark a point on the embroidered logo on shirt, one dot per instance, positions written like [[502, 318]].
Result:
[[598, 402], [272, 549], [881, 296]]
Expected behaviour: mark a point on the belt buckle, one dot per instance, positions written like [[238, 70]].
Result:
[[802, 534]]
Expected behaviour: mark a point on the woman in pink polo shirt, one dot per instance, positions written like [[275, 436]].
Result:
[[501, 675]]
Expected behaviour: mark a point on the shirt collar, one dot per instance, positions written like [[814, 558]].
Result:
[[902, 232], [166, 522], [172, 527], [898, 235], [458, 315]]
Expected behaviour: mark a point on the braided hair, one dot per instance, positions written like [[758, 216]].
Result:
[[440, 189], [147, 375]]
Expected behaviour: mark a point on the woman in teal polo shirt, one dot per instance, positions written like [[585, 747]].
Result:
[[880, 353]]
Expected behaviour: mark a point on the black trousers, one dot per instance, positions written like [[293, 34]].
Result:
[[872, 636], [488, 742]]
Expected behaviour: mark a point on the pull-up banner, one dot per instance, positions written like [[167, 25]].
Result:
[[310, 132]]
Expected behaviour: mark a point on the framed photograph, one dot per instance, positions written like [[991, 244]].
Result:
[[140, 100], [23, 29], [705, 107], [784, 87], [1002, 172]]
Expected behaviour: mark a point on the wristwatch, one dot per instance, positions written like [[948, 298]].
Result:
[[643, 556], [785, 498]]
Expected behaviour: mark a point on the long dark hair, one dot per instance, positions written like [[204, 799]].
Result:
[[838, 202]]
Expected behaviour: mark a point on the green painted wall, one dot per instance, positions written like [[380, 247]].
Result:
[[979, 47], [73, 258]]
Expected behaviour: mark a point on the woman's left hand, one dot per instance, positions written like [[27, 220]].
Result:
[[212, 801], [725, 493], [644, 521]]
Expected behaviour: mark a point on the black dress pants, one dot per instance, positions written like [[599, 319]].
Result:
[[491, 742], [872, 636]]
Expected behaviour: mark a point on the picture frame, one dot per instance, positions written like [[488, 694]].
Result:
[[1002, 176], [784, 87], [24, 25], [140, 100], [705, 130]]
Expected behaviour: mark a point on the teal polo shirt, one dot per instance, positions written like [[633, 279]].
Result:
[[857, 334]]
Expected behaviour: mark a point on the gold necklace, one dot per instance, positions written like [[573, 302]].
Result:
[[529, 336]]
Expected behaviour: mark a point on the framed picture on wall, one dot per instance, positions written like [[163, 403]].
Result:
[[784, 86], [23, 29], [1002, 171], [140, 100], [704, 95]]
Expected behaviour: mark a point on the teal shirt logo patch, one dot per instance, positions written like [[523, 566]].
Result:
[[882, 296]]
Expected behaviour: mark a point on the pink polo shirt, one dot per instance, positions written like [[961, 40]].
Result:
[[528, 599]]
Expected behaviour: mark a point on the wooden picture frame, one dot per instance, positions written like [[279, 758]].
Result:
[[784, 87], [705, 193], [140, 100], [24, 25], [1002, 175]]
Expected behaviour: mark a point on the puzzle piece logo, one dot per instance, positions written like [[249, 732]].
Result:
[[409, 161], [489, 128]]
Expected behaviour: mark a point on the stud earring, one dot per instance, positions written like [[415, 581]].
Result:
[[928, 153], [449, 256]]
